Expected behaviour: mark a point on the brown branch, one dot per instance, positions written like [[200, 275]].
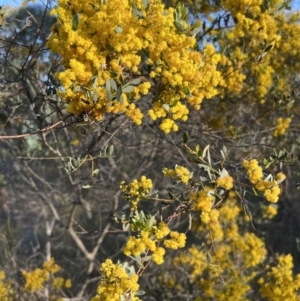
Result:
[[48, 128]]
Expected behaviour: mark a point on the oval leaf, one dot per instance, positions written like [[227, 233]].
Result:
[[128, 89], [136, 81], [75, 21]]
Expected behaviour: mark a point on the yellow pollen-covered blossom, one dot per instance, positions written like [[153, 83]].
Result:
[[282, 124], [115, 282], [136, 190], [158, 255], [35, 280], [272, 194], [269, 211], [270, 189], [180, 173], [225, 182], [6, 289], [162, 231], [254, 171], [68, 283], [279, 282], [101, 45], [203, 199], [177, 240], [50, 266]]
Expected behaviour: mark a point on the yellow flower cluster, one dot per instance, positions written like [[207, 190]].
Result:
[[36, 279], [225, 182], [176, 241], [138, 245], [239, 256], [282, 124], [268, 212], [168, 125], [100, 42], [271, 190], [203, 201], [116, 283], [158, 255], [259, 26], [136, 190], [260, 38], [279, 282], [252, 248], [6, 291], [50, 266], [149, 240], [254, 171], [60, 282], [180, 173]]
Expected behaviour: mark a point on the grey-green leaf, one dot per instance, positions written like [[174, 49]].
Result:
[[111, 150], [185, 137], [75, 21], [119, 93], [196, 30], [113, 84], [166, 107], [128, 89], [135, 81], [96, 9], [179, 26]]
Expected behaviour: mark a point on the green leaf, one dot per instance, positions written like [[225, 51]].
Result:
[[111, 150], [185, 137], [95, 172], [95, 97], [136, 81], [208, 257], [223, 173], [187, 91], [109, 95], [121, 100], [147, 258], [107, 85], [128, 89], [203, 179], [119, 93], [269, 47], [179, 26], [190, 221], [113, 74], [126, 227], [166, 107], [92, 81], [138, 259], [75, 21], [146, 4], [113, 85], [205, 151], [136, 12], [196, 30], [198, 150], [96, 9]]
